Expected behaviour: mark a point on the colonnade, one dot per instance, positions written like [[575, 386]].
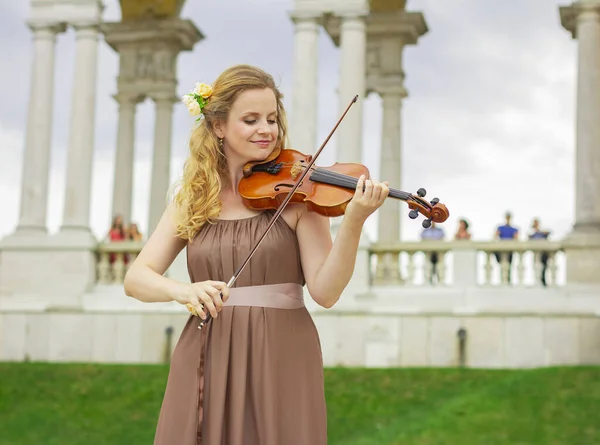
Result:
[[371, 46], [38, 139]]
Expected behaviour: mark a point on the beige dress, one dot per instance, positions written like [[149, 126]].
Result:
[[254, 375]]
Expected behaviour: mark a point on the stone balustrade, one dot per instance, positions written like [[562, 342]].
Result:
[[449, 263], [490, 263]]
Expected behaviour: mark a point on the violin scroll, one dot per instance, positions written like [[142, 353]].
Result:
[[434, 211]]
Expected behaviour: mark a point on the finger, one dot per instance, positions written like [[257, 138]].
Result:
[[377, 190], [225, 294], [201, 311], [215, 294], [368, 189], [223, 290], [197, 310], [208, 304], [217, 284], [385, 192], [360, 186]]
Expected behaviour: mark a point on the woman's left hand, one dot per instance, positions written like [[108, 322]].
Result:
[[368, 197]]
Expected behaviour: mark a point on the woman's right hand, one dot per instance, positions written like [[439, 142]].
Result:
[[202, 296]]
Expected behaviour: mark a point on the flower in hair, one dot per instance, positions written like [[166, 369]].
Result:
[[197, 99]]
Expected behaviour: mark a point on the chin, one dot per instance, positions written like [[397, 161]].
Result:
[[263, 153]]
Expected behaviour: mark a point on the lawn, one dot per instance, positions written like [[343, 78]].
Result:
[[57, 404]]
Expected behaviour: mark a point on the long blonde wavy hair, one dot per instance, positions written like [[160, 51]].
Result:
[[197, 199]]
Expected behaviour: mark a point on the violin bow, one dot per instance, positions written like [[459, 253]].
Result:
[[281, 207]]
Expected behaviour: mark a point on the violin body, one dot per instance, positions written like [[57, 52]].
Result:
[[324, 190], [266, 185]]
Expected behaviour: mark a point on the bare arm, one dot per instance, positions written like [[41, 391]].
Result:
[[144, 280], [329, 266]]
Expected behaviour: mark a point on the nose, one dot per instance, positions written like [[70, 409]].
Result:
[[263, 128]]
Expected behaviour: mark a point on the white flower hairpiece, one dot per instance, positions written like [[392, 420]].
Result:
[[197, 99]]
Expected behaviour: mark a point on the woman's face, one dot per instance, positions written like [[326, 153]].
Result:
[[251, 130]]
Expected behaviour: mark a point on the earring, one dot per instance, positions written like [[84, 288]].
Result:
[[220, 143]]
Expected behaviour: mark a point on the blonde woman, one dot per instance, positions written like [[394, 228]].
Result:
[[254, 374]]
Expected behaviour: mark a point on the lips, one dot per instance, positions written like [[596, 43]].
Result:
[[262, 143]]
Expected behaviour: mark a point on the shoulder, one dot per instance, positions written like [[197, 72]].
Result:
[[293, 213]]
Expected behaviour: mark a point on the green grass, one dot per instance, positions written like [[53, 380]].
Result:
[[57, 404]]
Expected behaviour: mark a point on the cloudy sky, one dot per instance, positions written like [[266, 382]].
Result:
[[488, 124]]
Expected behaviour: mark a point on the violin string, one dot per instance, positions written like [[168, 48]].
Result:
[[350, 181]]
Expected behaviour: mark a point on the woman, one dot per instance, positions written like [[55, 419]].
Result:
[[253, 375], [134, 233], [463, 230]]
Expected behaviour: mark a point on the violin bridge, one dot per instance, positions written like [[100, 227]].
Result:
[[296, 170]]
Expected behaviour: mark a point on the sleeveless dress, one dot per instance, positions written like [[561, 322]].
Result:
[[253, 375]]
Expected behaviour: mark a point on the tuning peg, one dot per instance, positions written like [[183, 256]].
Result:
[[426, 223], [413, 214], [421, 192], [434, 201]]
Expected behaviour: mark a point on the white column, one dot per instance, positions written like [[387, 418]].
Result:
[[38, 140], [587, 195], [161, 161], [124, 159], [76, 214], [303, 122], [352, 82], [391, 163]]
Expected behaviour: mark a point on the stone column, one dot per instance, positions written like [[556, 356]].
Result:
[[587, 199], [388, 220], [76, 214], [161, 161], [124, 159], [303, 127], [391, 162], [38, 140], [352, 82], [583, 244]]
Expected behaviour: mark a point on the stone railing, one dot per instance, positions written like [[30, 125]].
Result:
[[451, 263], [114, 258], [466, 263]]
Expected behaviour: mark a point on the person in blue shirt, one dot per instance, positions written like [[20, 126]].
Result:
[[507, 232]]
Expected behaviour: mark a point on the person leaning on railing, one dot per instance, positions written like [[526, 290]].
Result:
[[506, 232]]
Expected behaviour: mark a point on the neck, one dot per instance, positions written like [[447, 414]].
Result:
[[349, 182]]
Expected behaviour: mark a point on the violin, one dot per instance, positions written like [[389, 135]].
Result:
[[326, 190]]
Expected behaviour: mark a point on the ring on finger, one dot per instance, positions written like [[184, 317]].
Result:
[[192, 310]]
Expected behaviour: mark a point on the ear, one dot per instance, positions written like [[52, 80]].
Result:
[[219, 128]]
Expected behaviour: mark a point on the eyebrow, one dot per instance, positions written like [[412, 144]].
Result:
[[257, 113]]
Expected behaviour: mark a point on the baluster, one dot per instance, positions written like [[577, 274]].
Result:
[[427, 268], [552, 268], [379, 267], [520, 268], [504, 268], [411, 267], [489, 268], [119, 268], [104, 274], [441, 268], [392, 268], [388, 268]]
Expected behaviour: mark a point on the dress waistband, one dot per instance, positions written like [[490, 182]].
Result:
[[278, 296]]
